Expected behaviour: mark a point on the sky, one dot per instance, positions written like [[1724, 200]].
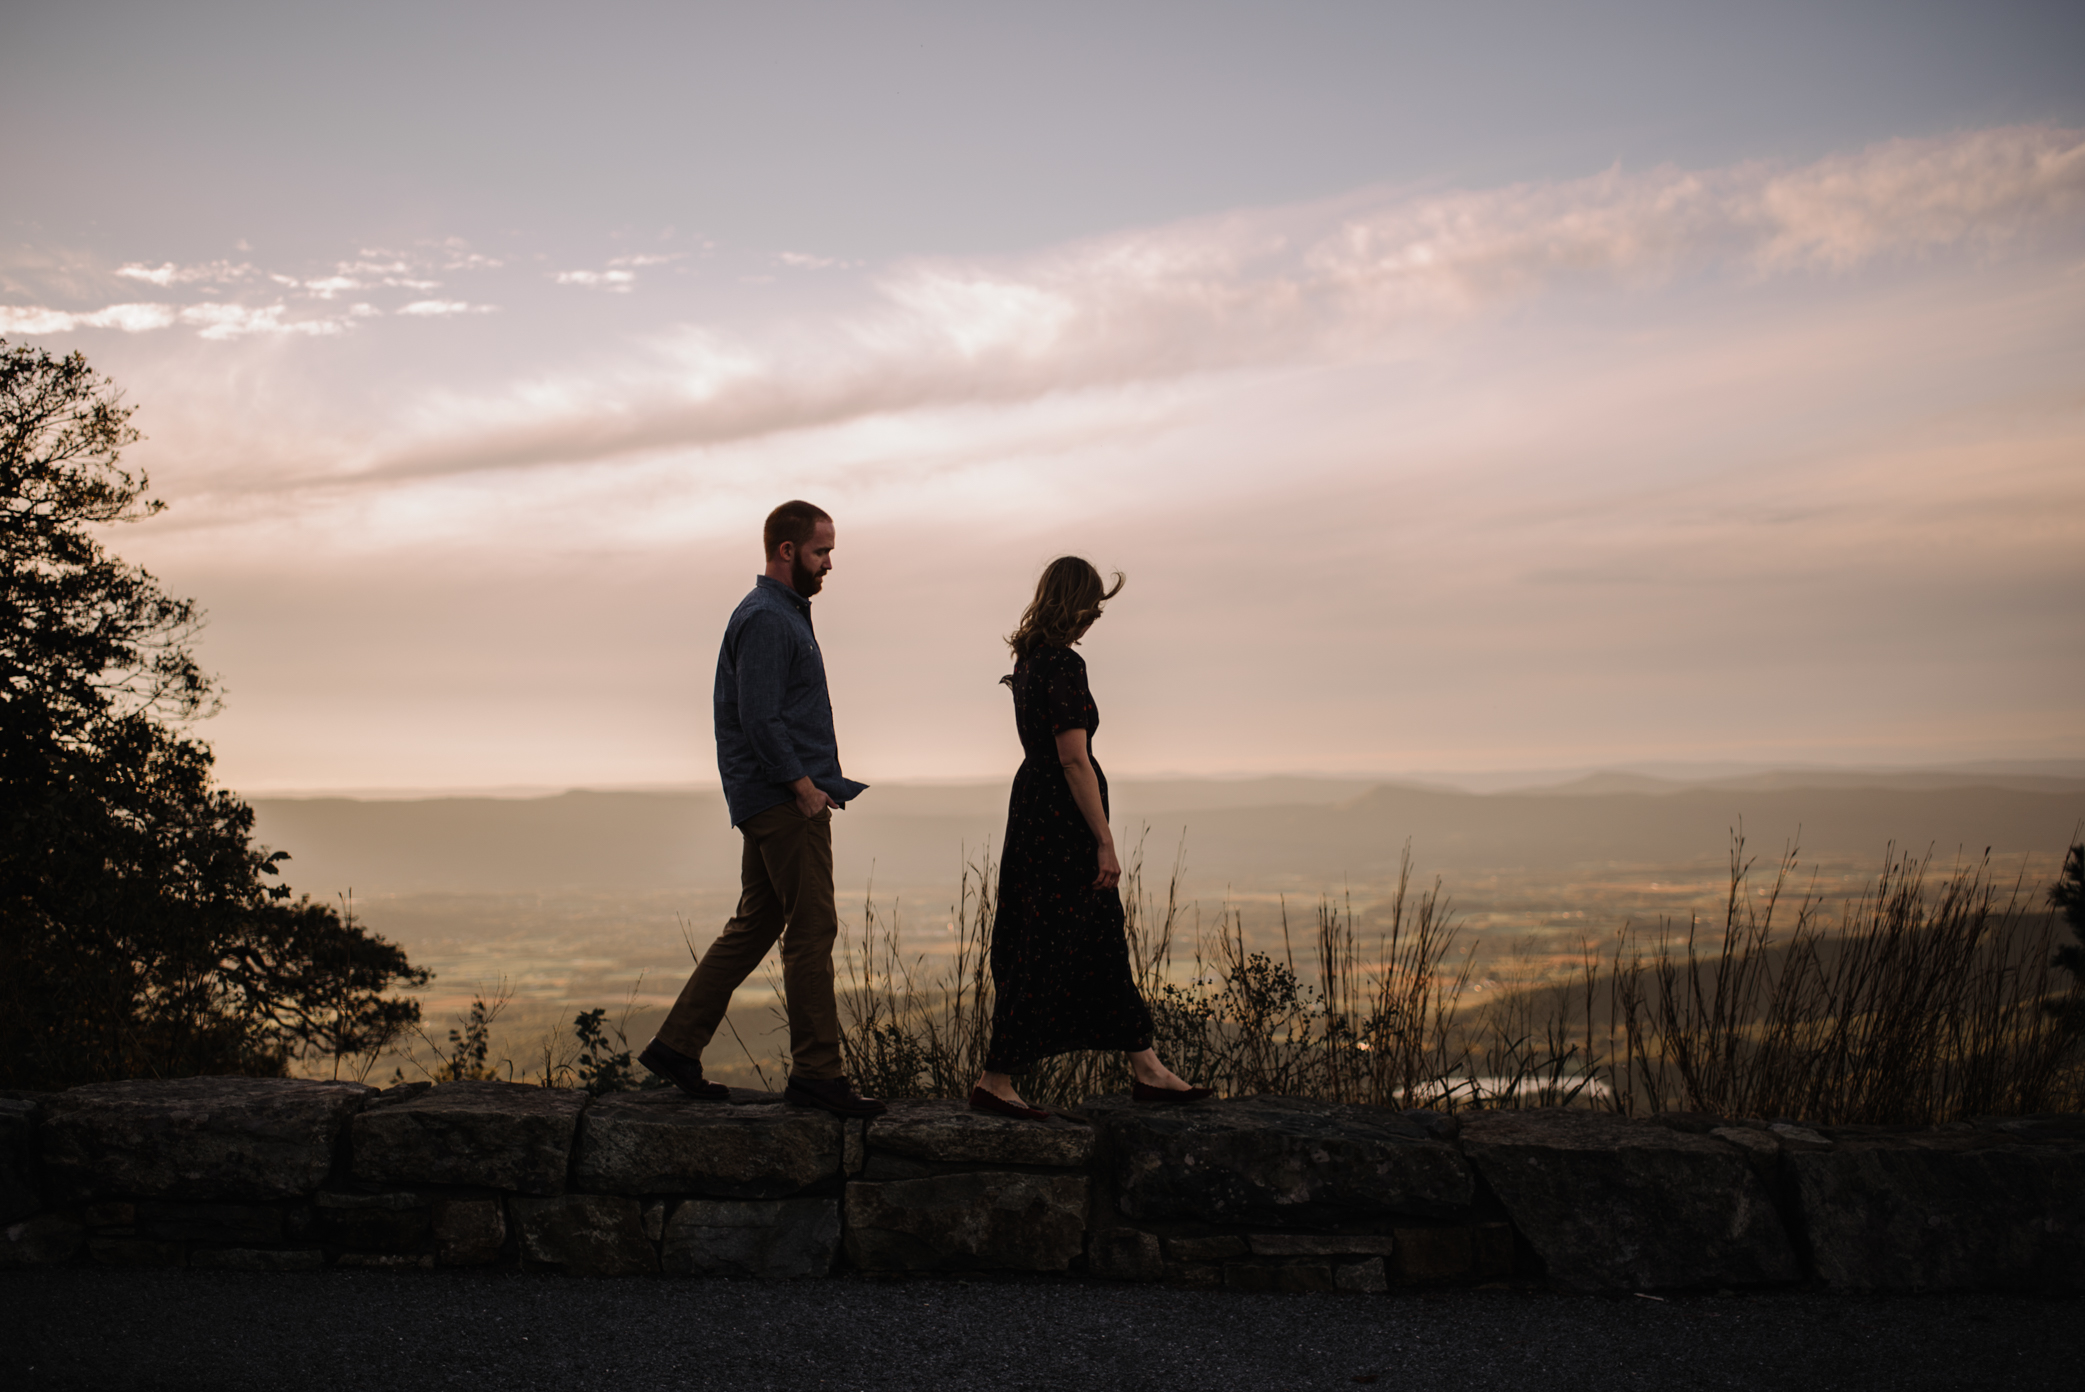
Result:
[[1470, 387]]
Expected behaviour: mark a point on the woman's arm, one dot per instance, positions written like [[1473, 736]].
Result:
[[1085, 791]]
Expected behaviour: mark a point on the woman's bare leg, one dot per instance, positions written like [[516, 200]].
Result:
[[1151, 1073], [1001, 1086]]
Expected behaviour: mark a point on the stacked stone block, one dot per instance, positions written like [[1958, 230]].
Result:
[[745, 1190], [1254, 1194], [1281, 1193], [943, 1188]]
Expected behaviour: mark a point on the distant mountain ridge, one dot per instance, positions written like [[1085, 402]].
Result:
[[1304, 832], [1783, 780]]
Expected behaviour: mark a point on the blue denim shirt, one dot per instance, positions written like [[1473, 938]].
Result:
[[774, 719]]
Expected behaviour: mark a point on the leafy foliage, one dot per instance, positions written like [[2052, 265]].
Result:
[[470, 1045], [600, 1068], [142, 933]]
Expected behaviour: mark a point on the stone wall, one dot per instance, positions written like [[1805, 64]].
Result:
[[1260, 1193]]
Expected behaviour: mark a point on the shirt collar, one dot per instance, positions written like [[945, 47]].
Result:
[[789, 591]]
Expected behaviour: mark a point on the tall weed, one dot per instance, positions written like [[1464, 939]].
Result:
[[1928, 1001]]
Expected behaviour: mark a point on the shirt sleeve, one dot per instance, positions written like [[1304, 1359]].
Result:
[[762, 661], [1065, 697]]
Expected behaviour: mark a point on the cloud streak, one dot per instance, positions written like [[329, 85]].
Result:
[[1360, 278], [211, 320], [619, 276], [286, 314], [167, 273]]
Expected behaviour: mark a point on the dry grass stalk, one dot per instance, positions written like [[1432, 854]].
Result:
[[1243, 1021], [1925, 1004]]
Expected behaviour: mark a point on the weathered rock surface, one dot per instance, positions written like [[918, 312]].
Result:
[[1939, 1212], [586, 1234], [1613, 1204], [661, 1142], [1798, 1137], [1291, 1276], [2045, 1126], [20, 1194], [1321, 1245], [772, 1238], [1761, 1144], [881, 1168], [1124, 1254], [468, 1232], [388, 1222], [854, 1146], [1363, 1277], [228, 1224], [1278, 1161], [1442, 1126], [194, 1138], [1425, 1255], [980, 1220], [949, 1133], [45, 1238], [484, 1135]]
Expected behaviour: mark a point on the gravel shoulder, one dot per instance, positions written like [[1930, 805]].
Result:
[[76, 1327]]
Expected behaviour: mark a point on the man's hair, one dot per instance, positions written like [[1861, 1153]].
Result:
[[794, 521], [1068, 598]]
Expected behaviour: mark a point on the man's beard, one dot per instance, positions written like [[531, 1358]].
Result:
[[803, 579]]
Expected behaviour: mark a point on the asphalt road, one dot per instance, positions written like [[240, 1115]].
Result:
[[113, 1329]]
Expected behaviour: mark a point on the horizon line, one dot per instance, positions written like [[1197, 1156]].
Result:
[[1458, 780]]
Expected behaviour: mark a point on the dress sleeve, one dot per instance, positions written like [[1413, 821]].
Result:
[[1065, 697]]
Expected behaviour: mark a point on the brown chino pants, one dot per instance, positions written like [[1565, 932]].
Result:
[[786, 892]]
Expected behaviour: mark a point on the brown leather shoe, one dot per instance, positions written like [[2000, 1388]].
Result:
[[983, 1101], [830, 1095], [683, 1072], [1142, 1092]]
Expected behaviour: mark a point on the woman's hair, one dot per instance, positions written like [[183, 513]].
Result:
[[1068, 598]]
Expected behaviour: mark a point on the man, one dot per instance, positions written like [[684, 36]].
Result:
[[781, 767]]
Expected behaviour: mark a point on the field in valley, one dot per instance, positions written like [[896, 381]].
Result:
[[594, 900]]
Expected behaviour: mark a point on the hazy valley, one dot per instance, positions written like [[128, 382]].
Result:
[[569, 900]]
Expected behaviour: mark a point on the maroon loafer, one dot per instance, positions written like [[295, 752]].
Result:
[[982, 1101], [1141, 1092]]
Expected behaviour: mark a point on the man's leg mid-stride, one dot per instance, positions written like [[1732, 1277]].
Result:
[[786, 892]]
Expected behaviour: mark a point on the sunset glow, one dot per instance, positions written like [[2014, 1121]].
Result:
[[1747, 447]]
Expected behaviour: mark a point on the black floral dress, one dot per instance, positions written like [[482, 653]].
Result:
[[1060, 963]]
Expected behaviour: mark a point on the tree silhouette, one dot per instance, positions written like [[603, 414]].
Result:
[[142, 933]]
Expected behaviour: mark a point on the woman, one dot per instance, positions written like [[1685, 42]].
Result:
[[1060, 963]]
